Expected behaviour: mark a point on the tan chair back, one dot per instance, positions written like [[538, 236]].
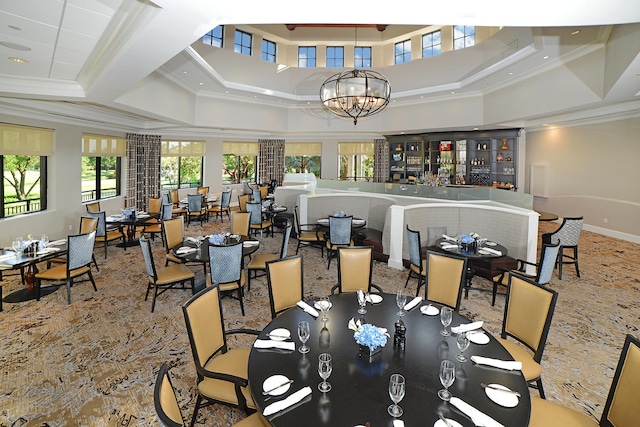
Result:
[[155, 205], [621, 409], [285, 283], [93, 207], [528, 311], [354, 268], [88, 224], [240, 223], [264, 191], [204, 191], [203, 316], [173, 232], [174, 197], [165, 400], [242, 202], [445, 278]]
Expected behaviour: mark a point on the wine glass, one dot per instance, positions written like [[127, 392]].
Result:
[[198, 243], [401, 300], [324, 307], [445, 318], [15, 245], [447, 377], [463, 343], [396, 392], [362, 301], [45, 240], [324, 369], [303, 334]]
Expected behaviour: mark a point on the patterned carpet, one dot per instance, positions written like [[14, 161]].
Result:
[[93, 363]]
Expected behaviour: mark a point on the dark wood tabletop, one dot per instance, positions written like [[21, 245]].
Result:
[[360, 384]]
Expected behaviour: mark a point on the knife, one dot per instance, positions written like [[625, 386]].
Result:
[[266, 392], [445, 421], [500, 389]]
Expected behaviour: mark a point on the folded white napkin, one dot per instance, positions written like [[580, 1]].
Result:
[[284, 345], [465, 327], [58, 242], [192, 239], [449, 246], [413, 303], [490, 251], [248, 243], [185, 250], [510, 365], [306, 307], [7, 256], [398, 423], [358, 221], [478, 418], [47, 250], [285, 403], [323, 221], [449, 238]]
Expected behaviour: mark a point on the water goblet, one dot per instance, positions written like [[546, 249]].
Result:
[[198, 244], [362, 301], [324, 304], [303, 334], [445, 318], [324, 369], [447, 377], [462, 340], [15, 245], [401, 300], [396, 392], [45, 240]]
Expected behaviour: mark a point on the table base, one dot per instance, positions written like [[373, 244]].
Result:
[[24, 295]]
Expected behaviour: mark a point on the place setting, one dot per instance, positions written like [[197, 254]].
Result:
[[278, 339]]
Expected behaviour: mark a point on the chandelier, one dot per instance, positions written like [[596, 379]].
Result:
[[356, 93]]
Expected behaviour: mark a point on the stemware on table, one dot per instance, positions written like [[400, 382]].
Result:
[[447, 377], [362, 301], [445, 318], [462, 340], [396, 392], [401, 300], [324, 305], [303, 334], [324, 370]]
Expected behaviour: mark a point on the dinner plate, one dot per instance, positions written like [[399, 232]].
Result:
[[478, 337], [490, 243], [275, 381], [430, 310], [318, 307], [453, 423], [280, 334], [508, 400], [375, 299]]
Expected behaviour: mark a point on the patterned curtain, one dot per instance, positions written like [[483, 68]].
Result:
[[143, 169], [381, 160], [271, 160]]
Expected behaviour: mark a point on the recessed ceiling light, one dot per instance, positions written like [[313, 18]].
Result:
[[511, 73], [573, 33], [453, 91], [475, 128], [185, 72], [15, 46], [545, 124], [18, 60], [545, 57], [421, 96], [201, 84]]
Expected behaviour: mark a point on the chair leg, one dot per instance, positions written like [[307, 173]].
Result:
[[495, 291], [94, 262], [93, 282], [195, 411], [241, 301], [540, 388], [575, 259], [69, 291], [155, 295]]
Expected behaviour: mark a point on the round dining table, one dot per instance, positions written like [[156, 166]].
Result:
[[360, 382]]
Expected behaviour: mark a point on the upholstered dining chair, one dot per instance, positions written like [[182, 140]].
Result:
[[240, 223], [445, 278], [154, 226], [222, 208], [222, 371], [226, 271], [355, 267], [256, 195], [621, 408], [339, 235], [259, 261], [175, 276], [172, 235], [285, 282], [528, 311], [417, 264], [264, 191], [242, 202], [168, 409], [87, 225], [195, 209], [308, 234], [174, 197], [93, 207], [203, 191], [155, 206], [544, 269], [103, 234], [79, 256], [568, 235], [257, 222]]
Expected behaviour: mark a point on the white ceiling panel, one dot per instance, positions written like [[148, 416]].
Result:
[[47, 12], [84, 21]]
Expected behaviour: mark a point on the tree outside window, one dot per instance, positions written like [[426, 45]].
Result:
[[303, 164], [23, 188], [181, 164], [355, 161], [236, 169]]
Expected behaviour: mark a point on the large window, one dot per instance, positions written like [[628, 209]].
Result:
[[101, 166], [242, 43], [463, 36], [335, 56], [214, 37], [403, 51], [306, 56], [355, 161], [181, 164], [23, 159], [431, 44], [239, 161], [268, 51], [362, 57], [303, 158]]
